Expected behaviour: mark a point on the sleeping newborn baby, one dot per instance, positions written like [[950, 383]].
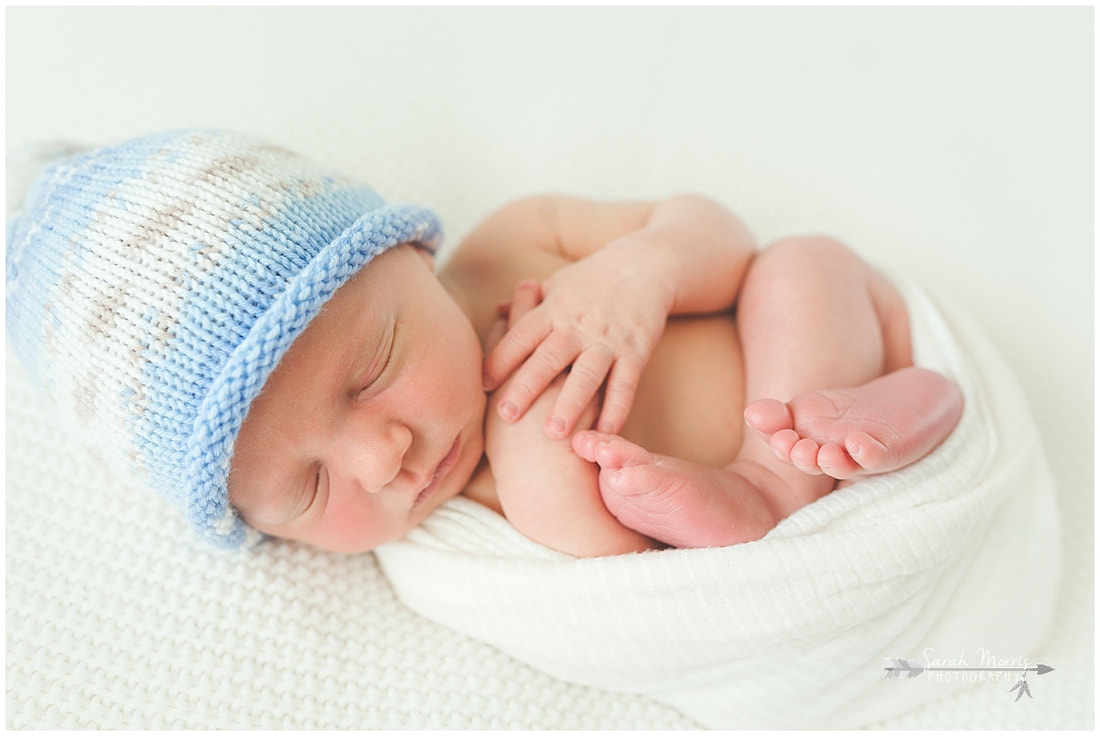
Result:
[[270, 345]]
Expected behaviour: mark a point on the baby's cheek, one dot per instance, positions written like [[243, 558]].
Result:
[[352, 530]]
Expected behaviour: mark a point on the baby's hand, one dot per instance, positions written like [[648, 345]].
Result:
[[597, 318]]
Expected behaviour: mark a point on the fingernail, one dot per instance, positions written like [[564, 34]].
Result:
[[509, 411], [486, 382], [607, 427], [557, 426]]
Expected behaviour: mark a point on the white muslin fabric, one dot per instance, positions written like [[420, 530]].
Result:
[[955, 552]]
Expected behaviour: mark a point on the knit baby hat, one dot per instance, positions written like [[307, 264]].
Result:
[[153, 286]]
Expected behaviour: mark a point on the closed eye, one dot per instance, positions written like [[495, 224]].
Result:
[[310, 495], [315, 496], [379, 364]]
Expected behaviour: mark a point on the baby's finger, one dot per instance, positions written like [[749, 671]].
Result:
[[498, 366], [622, 385], [496, 333], [585, 378], [536, 373], [527, 296], [521, 339]]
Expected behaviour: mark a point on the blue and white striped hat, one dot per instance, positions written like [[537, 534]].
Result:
[[153, 286]]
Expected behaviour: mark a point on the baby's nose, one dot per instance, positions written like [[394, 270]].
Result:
[[383, 459]]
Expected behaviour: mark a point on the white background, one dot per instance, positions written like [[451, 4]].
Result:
[[954, 145]]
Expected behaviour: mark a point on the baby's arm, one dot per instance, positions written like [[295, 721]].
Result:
[[546, 491], [626, 268]]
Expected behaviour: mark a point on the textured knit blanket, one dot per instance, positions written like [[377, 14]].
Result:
[[792, 630]]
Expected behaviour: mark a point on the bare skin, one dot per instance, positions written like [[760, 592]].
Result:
[[810, 314], [881, 426], [658, 323]]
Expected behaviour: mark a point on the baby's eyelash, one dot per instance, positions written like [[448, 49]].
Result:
[[316, 494], [390, 340], [362, 394]]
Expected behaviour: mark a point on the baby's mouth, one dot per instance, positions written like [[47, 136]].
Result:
[[441, 470]]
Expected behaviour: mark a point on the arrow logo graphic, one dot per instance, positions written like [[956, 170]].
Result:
[[907, 668], [897, 668]]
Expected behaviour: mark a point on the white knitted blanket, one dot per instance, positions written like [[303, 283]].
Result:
[[951, 143], [118, 617], [791, 631]]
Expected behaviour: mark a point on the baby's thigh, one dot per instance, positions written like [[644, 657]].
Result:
[[813, 314]]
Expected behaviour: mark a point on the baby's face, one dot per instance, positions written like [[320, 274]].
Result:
[[372, 419]]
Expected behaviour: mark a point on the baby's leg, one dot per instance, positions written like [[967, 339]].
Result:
[[871, 413], [811, 315]]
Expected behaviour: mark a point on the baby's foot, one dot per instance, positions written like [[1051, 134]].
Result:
[[883, 425], [671, 500]]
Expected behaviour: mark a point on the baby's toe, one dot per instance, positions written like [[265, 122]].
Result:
[[804, 456], [768, 416], [835, 461], [782, 442], [584, 443], [617, 452], [609, 450], [640, 482], [871, 455]]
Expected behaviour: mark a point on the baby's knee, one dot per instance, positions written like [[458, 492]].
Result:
[[808, 250], [797, 261]]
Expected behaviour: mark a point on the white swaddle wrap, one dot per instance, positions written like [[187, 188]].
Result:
[[954, 553]]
